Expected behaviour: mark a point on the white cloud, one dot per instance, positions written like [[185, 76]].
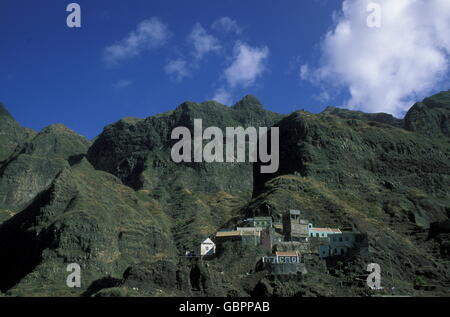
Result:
[[386, 69], [304, 72], [122, 84], [226, 25], [149, 34], [177, 68], [323, 96], [223, 96], [202, 41], [248, 64]]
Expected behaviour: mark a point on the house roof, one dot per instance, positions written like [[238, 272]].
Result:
[[260, 218], [326, 230], [294, 212], [228, 234], [208, 241], [249, 229], [250, 233], [288, 253]]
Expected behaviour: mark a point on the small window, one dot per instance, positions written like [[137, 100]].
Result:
[[340, 239]]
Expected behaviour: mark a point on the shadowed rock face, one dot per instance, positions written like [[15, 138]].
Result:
[[35, 163], [198, 197], [351, 171], [431, 117], [125, 212], [138, 151], [11, 134], [87, 217]]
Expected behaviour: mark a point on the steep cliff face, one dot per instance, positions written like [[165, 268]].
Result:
[[199, 197], [11, 134], [67, 211], [368, 159], [124, 211], [431, 117], [87, 217], [138, 150], [33, 165], [350, 171]]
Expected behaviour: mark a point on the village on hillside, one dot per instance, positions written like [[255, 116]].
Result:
[[289, 242]]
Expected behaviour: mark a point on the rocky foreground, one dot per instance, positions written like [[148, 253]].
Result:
[[122, 209]]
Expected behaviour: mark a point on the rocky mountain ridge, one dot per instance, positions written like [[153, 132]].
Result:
[[125, 212]]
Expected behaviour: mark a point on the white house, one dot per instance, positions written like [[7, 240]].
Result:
[[207, 247]]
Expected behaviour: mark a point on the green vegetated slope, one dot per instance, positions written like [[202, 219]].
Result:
[[375, 177], [124, 211], [352, 114], [198, 197], [87, 217], [431, 116], [138, 150], [35, 162], [11, 134]]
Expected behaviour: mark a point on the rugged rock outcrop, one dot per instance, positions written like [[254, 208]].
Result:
[[138, 150], [349, 171], [33, 165], [125, 212], [199, 197], [430, 117], [12, 134], [87, 217]]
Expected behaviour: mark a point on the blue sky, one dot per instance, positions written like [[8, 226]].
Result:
[[279, 51]]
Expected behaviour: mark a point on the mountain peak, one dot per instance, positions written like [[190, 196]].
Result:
[[249, 101], [431, 117], [56, 129], [4, 113]]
